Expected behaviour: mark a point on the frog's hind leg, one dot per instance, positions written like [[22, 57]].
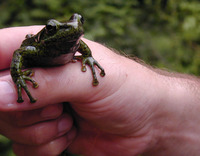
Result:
[[19, 77], [22, 84], [27, 76]]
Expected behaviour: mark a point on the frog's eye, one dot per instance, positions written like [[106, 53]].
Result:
[[50, 28]]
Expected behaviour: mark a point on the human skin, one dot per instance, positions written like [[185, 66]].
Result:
[[134, 110]]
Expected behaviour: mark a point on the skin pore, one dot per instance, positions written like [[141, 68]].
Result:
[[136, 109]]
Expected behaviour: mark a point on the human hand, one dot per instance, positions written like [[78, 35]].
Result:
[[109, 115], [127, 113]]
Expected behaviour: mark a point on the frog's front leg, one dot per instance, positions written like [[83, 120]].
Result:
[[19, 77], [87, 58]]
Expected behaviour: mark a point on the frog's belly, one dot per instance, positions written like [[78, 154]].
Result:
[[50, 61]]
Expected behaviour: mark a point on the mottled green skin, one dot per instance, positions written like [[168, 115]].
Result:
[[54, 45]]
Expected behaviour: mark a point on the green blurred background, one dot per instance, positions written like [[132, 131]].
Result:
[[163, 33]]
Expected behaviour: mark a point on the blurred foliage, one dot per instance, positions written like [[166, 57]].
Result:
[[5, 146], [163, 33]]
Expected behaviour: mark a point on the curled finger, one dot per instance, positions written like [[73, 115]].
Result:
[[52, 148]]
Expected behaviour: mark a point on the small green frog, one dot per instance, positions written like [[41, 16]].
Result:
[[54, 45]]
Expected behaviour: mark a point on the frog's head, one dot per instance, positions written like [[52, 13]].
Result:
[[69, 31]]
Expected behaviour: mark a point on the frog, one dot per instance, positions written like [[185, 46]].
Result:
[[54, 45]]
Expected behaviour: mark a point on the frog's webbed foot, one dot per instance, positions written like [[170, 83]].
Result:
[[91, 62], [21, 83]]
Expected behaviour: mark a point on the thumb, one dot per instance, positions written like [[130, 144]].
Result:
[[57, 84], [65, 83]]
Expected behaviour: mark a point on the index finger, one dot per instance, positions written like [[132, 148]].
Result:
[[11, 39]]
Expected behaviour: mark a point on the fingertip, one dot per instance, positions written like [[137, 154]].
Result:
[[65, 124], [54, 147]]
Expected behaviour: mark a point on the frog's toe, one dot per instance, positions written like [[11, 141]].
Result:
[[83, 69], [20, 100], [102, 73], [20, 82], [95, 82], [32, 100], [35, 85]]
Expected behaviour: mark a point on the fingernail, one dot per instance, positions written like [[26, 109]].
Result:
[[7, 93], [64, 125]]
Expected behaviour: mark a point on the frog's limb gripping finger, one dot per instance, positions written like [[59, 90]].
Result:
[[84, 69], [95, 81], [17, 74], [24, 86], [100, 67], [35, 85], [80, 58], [91, 62]]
